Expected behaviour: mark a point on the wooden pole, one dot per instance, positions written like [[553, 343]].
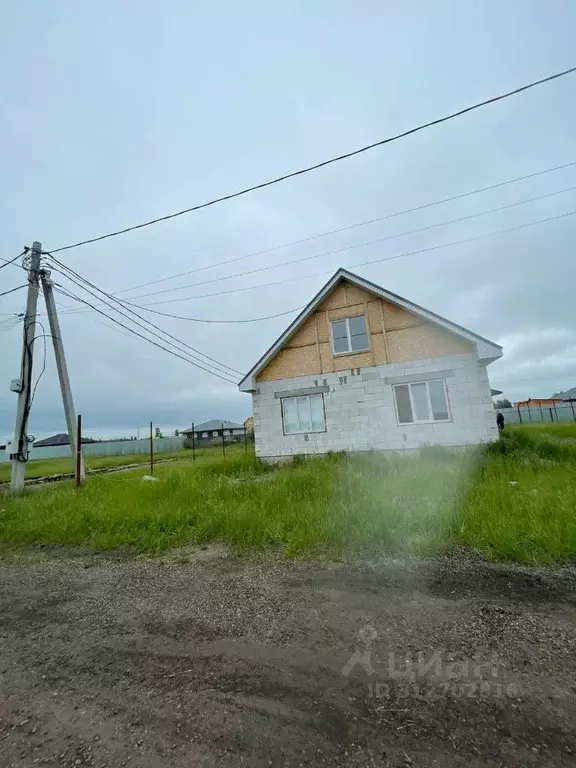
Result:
[[78, 463], [151, 450], [193, 443], [223, 443]]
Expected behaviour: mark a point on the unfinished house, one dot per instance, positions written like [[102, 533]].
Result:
[[361, 368]]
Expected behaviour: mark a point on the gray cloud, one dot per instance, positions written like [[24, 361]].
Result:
[[116, 115]]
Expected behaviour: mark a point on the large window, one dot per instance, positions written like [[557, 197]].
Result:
[[349, 335], [303, 414], [422, 401]]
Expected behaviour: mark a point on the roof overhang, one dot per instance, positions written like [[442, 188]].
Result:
[[487, 350]]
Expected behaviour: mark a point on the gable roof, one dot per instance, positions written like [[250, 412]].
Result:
[[211, 426], [61, 438], [488, 351]]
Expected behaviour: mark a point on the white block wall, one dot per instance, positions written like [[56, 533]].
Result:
[[360, 412]]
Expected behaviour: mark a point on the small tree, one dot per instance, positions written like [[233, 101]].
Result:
[[157, 432], [503, 403], [176, 433]]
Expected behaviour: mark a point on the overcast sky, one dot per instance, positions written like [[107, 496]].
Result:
[[114, 113]]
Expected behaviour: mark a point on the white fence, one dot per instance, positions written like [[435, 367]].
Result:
[[559, 413], [112, 448]]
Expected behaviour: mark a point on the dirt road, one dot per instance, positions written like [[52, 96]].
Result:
[[226, 662]]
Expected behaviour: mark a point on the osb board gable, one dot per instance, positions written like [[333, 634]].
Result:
[[398, 317], [289, 362], [309, 350], [425, 340]]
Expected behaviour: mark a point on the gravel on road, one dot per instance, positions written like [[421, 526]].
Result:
[[213, 660]]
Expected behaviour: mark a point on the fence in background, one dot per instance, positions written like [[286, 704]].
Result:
[[536, 413], [112, 448]]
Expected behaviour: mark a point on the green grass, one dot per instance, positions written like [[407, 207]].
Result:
[[51, 467], [514, 499]]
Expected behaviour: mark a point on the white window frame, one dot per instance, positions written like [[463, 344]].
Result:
[[349, 351], [204, 434], [431, 420], [303, 431]]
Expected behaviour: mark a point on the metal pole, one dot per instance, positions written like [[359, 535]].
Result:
[[555, 411], [223, 444], [78, 472], [519, 415], [573, 414], [19, 451], [541, 412], [193, 443], [151, 451], [551, 416], [529, 411], [65, 389], [245, 439]]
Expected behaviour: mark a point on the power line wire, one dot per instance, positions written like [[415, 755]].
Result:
[[349, 227], [353, 266], [11, 261], [198, 360], [367, 263], [323, 163], [356, 245], [68, 272], [136, 333], [18, 287], [226, 322]]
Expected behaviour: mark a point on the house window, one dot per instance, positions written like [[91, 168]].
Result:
[[215, 433], [421, 402], [204, 434], [349, 335], [303, 414]]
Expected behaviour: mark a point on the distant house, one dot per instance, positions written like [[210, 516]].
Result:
[[536, 402], [60, 439], [249, 424], [362, 368], [213, 429], [568, 396]]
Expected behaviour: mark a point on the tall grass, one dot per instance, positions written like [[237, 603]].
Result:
[[514, 499]]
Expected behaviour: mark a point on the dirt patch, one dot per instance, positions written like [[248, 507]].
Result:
[[226, 662]]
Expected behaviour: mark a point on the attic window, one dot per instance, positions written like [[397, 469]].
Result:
[[349, 335]]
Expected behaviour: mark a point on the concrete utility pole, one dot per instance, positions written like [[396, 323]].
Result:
[[67, 401], [19, 454]]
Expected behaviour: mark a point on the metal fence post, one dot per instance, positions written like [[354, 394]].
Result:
[[551, 415], [519, 415], [78, 464], [555, 411], [541, 412], [573, 414], [193, 443], [245, 439], [151, 450], [223, 443]]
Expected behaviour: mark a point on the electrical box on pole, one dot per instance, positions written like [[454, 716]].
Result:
[[23, 385]]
